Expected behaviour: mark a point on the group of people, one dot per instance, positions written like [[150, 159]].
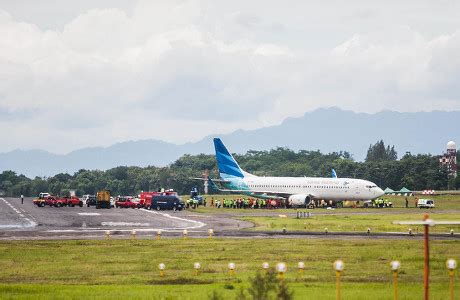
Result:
[[244, 203]]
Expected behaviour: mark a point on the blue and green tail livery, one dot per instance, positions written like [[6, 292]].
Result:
[[228, 167]]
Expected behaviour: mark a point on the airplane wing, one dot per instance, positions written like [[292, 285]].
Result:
[[214, 180]]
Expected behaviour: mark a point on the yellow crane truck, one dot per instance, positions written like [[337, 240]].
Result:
[[103, 199]]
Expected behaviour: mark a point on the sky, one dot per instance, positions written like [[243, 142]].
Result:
[[77, 74]]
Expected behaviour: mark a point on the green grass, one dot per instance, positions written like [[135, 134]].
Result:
[[302, 290], [125, 268], [353, 222]]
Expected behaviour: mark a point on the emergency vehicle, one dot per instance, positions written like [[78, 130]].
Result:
[[126, 202], [74, 201], [425, 203], [146, 197]]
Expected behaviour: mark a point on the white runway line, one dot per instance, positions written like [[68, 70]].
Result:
[[124, 224], [198, 224], [89, 214], [122, 230], [30, 223]]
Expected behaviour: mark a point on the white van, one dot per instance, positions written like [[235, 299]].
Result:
[[425, 203]]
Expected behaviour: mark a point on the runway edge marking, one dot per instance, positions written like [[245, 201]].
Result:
[[31, 223]]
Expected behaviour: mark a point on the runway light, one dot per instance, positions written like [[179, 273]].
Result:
[[451, 232], [451, 265], [265, 266], [107, 235], [158, 234], [368, 231], [395, 265], [410, 231], [338, 267], [326, 230], [284, 229], [281, 269], [197, 268], [133, 234], [185, 233], [162, 268], [231, 268], [210, 232], [301, 267]]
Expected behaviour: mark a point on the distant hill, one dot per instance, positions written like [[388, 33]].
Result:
[[327, 130]]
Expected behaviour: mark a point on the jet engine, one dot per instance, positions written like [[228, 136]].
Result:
[[300, 200]]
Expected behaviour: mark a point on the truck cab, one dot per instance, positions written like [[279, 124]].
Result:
[[90, 200], [163, 202], [103, 199]]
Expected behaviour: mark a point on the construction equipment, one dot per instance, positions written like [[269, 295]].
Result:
[[103, 199]]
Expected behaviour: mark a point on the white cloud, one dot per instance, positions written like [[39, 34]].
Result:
[[181, 70]]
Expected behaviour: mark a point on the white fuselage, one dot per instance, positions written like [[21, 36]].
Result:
[[318, 188]]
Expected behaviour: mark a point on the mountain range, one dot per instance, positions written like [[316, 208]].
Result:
[[327, 130]]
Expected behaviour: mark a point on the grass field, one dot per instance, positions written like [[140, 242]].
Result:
[[353, 222], [348, 219], [125, 268]]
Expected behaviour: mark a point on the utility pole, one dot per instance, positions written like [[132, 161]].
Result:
[[426, 223]]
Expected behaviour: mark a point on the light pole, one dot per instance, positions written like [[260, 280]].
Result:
[[426, 223], [197, 267], [395, 265], [281, 268], [338, 266], [265, 266], [451, 265]]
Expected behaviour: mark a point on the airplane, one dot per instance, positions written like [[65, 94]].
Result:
[[298, 191]]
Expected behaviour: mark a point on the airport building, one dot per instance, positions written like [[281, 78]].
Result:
[[449, 159]]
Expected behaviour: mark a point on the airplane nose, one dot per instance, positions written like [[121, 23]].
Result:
[[380, 192]]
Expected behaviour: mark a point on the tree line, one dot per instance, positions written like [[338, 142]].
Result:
[[416, 172]]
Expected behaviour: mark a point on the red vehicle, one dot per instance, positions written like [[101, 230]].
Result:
[[60, 202], [73, 201], [40, 202], [146, 197], [50, 201], [126, 202]]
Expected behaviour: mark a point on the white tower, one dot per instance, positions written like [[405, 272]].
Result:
[[449, 159]]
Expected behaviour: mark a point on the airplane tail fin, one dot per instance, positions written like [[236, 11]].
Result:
[[334, 174], [228, 167]]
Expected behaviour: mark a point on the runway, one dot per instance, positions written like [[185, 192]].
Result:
[[29, 222], [22, 221]]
